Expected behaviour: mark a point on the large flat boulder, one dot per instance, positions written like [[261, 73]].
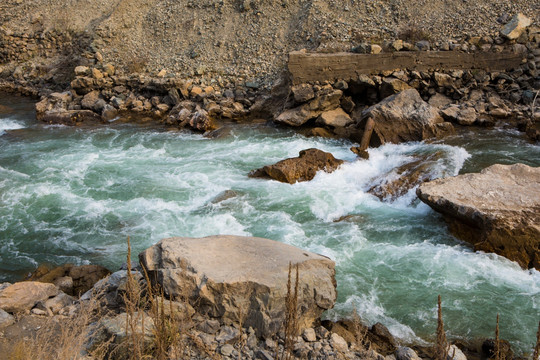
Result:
[[301, 168], [242, 279], [497, 210], [22, 296], [405, 117]]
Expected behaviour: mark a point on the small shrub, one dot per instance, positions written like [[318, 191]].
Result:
[[412, 33], [136, 65]]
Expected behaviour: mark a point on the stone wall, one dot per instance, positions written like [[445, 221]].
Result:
[[25, 46]]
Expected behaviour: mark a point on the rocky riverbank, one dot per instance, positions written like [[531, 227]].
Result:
[[100, 93], [496, 210], [247, 298]]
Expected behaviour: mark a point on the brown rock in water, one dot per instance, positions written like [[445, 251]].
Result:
[[399, 181], [243, 280], [200, 121], [5, 109], [24, 295], [70, 117], [497, 210], [301, 168], [405, 117]]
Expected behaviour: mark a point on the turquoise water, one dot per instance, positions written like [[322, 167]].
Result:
[[75, 194]]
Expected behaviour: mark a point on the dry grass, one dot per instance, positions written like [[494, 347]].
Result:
[[441, 352], [536, 354], [136, 65], [412, 33], [360, 332], [291, 317], [63, 337], [497, 341]]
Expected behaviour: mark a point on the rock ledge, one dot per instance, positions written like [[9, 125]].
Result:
[[497, 210]]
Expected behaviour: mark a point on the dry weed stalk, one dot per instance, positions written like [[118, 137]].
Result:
[[497, 341], [133, 301], [360, 332], [442, 345], [291, 320]]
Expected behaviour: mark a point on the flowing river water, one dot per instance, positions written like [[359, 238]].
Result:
[[75, 194]]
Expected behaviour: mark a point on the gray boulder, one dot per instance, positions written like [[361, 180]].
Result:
[[405, 117], [242, 279]]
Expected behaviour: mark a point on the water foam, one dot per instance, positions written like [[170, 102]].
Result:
[[83, 192], [10, 124]]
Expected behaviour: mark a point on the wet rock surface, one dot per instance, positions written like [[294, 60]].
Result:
[[497, 210], [302, 168], [401, 180]]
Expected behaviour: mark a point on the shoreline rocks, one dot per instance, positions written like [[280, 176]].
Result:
[[496, 210]]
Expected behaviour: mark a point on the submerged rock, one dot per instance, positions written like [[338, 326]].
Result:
[[242, 279], [405, 117], [301, 168], [400, 180], [497, 210]]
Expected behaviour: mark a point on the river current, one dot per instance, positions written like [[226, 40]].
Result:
[[75, 194]]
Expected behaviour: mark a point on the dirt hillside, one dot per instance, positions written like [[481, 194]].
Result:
[[250, 39]]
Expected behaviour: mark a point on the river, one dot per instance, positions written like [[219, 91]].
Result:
[[75, 194]]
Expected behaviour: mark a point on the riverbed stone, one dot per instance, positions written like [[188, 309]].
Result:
[[455, 353], [6, 319], [406, 353], [405, 117], [242, 279], [303, 93], [301, 168], [516, 26], [22, 296], [334, 118], [338, 343], [391, 86], [496, 210]]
